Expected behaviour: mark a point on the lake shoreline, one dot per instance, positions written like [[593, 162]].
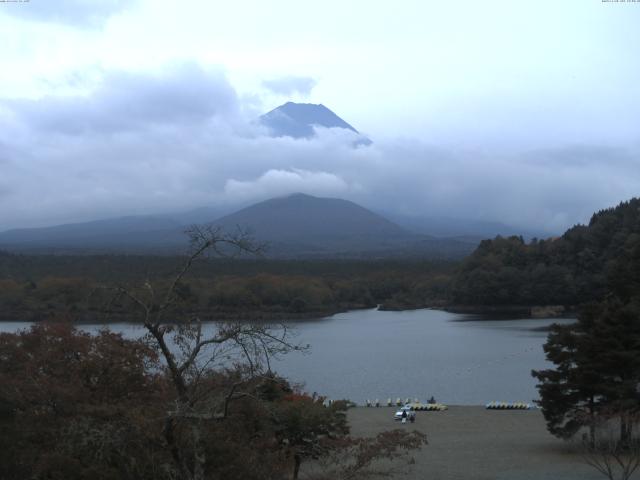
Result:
[[210, 316], [479, 313], [524, 311]]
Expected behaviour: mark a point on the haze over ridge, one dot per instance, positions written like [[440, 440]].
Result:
[[293, 226]]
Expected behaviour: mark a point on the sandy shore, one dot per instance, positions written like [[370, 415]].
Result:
[[475, 443]]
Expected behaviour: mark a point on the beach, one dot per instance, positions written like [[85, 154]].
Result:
[[470, 442]]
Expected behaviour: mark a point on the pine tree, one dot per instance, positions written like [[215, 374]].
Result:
[[569, 393], [597, 368]]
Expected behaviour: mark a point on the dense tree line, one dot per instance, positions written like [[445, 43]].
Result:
[[39, 287], [580, 266]]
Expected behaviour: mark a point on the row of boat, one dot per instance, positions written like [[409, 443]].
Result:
[[429, 407], [410, 404], [398, 403], [415, 404], [508, 406]]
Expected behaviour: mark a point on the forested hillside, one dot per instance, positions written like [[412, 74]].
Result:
[[580, 266]]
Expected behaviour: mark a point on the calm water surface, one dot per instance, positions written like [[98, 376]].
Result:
[[369, 354]]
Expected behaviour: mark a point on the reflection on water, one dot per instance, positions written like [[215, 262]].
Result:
[[369, 354]]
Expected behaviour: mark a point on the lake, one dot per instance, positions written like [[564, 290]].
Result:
[[369, 354]]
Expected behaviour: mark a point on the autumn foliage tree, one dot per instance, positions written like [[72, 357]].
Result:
[[307, 428], [74, 405], [79, 406]]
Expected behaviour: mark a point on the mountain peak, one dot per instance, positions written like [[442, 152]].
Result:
[[313, 114], [298, 195], [298, 120]]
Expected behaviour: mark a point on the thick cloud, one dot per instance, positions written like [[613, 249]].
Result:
[[282, 182], [82, 13], [290, 85], [124, 102], [177, 140]]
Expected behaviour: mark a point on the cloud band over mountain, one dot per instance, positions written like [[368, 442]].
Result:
[[183, 137]]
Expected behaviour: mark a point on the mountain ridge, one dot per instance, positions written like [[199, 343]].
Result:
[[296, 225]]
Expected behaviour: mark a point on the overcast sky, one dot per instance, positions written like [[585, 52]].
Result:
[[524, 112]]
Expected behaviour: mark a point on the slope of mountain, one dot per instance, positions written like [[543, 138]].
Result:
[[98, 233], [297, 120], [199, 216], [135, 232]]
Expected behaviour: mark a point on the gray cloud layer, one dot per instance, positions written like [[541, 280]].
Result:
[[186, 95], [82, 13], [151, 144]]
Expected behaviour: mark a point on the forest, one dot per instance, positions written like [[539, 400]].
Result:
[[36, 287]]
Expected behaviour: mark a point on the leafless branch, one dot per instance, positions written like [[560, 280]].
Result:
[[194, 381], [614, 457]]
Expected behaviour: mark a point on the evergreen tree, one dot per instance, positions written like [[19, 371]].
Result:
[[570, 393], [597, 368]]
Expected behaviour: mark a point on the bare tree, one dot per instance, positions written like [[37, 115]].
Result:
[[191, 350], [615, 456]]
